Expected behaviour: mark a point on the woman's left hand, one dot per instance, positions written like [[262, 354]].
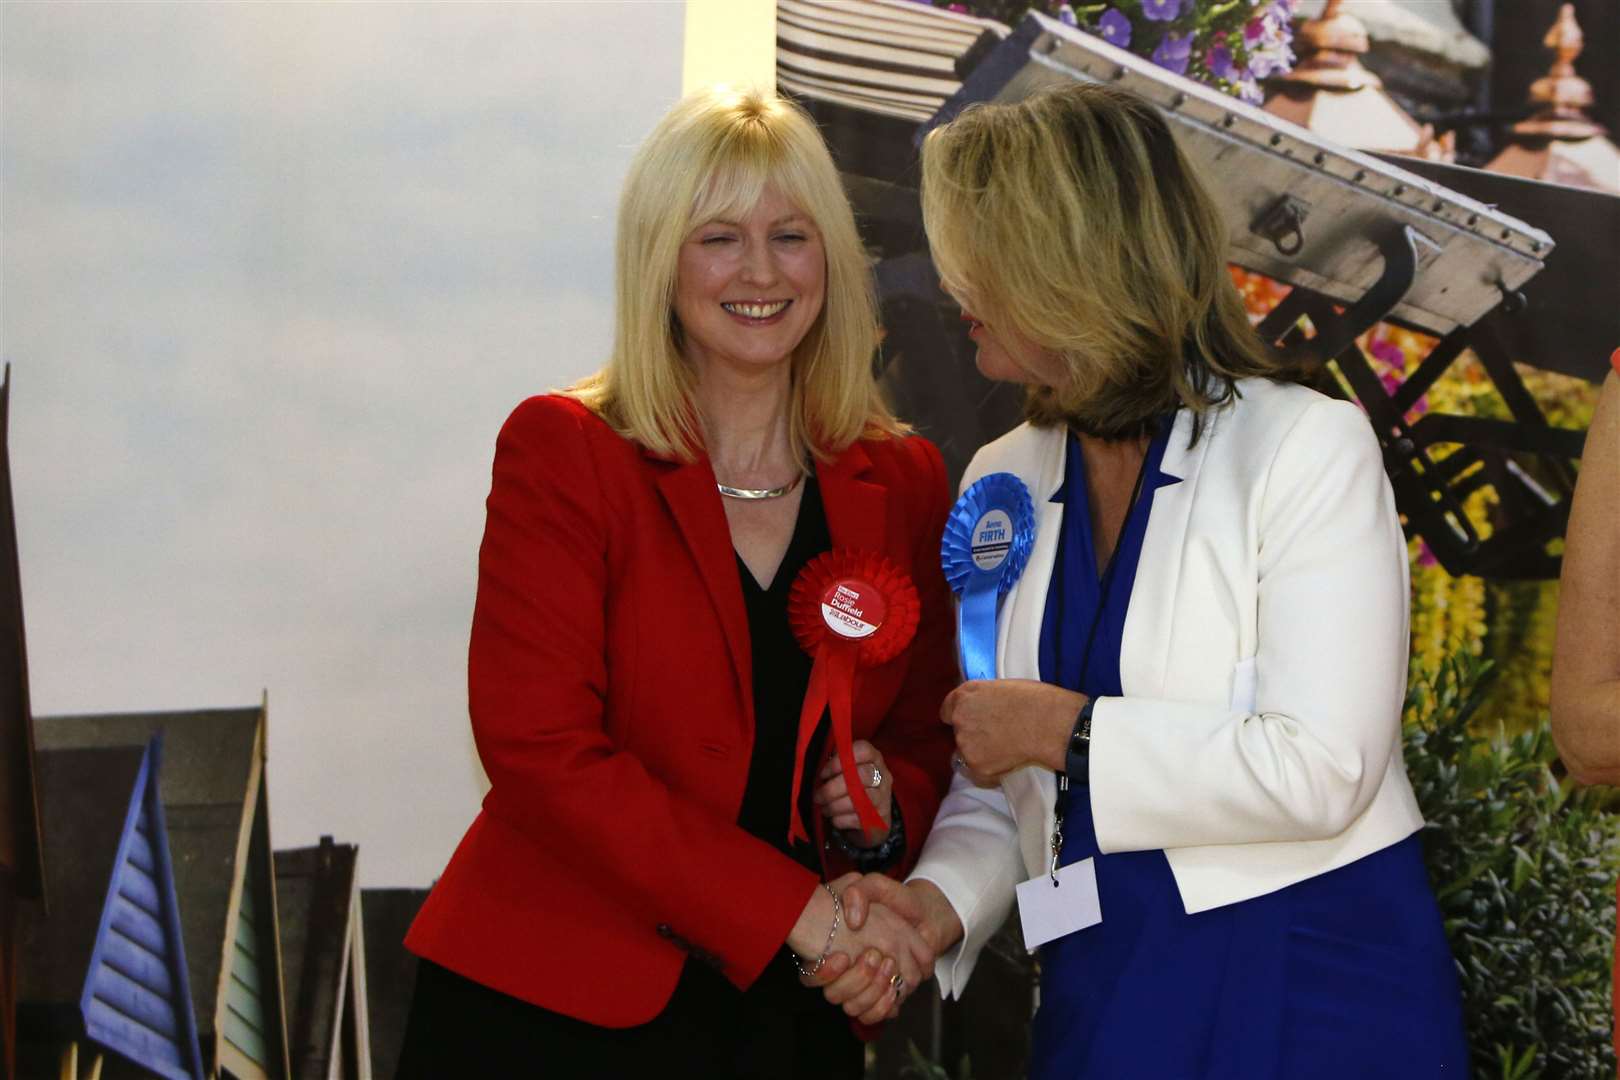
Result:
[[833, 795], [1002, 724]]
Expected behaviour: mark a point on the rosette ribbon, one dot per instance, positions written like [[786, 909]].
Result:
[[988, 536], [848, 610]]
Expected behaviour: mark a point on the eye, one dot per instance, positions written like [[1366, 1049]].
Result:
[[791, 237], [716, 239]]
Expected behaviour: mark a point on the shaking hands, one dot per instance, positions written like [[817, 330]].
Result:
[[892, 932], [895, 933]]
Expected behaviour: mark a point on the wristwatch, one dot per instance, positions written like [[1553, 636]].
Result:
[[880, 857], [1078, 765]]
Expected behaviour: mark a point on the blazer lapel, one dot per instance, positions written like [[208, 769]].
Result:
[[857, 520], [1144, 656], [857, 510], [1018, 638], [1030, 791], [694, 502]]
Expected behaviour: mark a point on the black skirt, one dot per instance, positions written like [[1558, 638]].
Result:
[[460, 1028]]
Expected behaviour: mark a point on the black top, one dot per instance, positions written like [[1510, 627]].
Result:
[[781, 674]]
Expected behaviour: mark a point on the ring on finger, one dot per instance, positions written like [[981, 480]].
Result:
[[898, 983], [877, 777]]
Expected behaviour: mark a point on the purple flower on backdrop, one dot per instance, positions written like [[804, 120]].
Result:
[[1249, 90], [1115, 28], [1265, 63], [1066, 15], [1274, 31], [1161, 10], [1173, 52], [1266, 39], [1219, 62], [1388, 354]]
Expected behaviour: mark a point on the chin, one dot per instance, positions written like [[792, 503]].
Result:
[[997, 370], [770, 358]]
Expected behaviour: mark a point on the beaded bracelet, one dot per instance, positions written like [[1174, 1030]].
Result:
[[838, 918]]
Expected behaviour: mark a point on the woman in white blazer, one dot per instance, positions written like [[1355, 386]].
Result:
[[1208, 643]]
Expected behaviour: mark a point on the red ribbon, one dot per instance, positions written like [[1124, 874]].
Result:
[[848, 610]]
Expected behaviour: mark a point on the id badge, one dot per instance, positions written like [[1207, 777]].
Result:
[[1050, 909]]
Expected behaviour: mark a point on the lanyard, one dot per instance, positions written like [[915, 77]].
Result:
[[1103, 585]]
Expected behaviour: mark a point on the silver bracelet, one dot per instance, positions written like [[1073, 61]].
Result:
[[838, 918]]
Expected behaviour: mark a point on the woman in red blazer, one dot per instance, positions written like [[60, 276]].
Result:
[[634, 685]]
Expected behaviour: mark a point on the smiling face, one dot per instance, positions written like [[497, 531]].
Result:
[[747, 291]]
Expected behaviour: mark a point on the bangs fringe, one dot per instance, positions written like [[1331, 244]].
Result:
[[711, 158]]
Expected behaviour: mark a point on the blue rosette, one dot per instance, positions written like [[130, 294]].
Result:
[[988, 537]]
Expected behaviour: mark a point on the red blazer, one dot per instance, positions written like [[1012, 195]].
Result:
[[609, 685]]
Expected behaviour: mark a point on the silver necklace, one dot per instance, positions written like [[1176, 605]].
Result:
[[758, 493]]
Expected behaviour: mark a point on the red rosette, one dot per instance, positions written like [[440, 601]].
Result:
[[848, 609]]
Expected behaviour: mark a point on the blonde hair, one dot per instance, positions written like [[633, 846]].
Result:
[[711, 158], [1073, 220]]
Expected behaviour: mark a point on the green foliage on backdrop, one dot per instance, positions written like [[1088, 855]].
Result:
[[1524, 868]]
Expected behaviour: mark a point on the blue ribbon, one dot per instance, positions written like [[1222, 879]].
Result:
[[988, 536]]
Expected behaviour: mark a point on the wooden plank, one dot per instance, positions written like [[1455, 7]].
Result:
[[131, 1039], [137, 925], [134, 1001], [135, 961], [929, 26], [245, 969], [246, 1001], [246, 946], [241, 1034], [140, 847], [870, 51], [234, 1063], [137, 886]]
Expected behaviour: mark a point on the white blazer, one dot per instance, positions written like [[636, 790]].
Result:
[[1263, 665]]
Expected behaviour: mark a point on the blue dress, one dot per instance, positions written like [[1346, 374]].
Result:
[[1347, 974]]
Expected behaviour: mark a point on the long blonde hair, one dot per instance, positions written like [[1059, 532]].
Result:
[[1074, 220], [711, 158]]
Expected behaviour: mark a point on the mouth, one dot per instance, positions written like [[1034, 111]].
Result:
[[756, 311], [974, 325]]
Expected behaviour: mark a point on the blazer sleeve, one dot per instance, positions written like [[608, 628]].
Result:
[[1331, 637], [915, 745], [537, 681], [972, 855], [972, 852]]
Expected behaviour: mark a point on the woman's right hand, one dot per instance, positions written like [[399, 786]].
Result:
[[869, 953], [863, 989]]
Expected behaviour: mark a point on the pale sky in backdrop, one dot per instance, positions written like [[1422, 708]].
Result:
[[272, 277]]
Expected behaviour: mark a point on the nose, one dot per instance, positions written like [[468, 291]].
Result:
[[759, 263]]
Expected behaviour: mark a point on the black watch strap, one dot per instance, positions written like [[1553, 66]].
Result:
[[1079, 754], [882, 856]]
